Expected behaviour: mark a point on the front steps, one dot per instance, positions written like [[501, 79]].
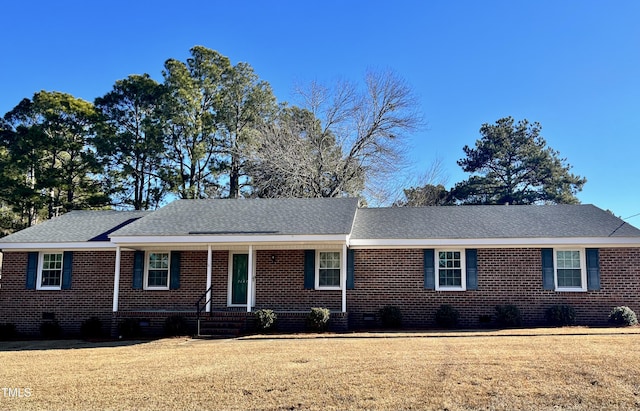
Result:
[[222, 324]]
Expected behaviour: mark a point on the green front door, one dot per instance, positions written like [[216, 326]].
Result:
[[239, 279]]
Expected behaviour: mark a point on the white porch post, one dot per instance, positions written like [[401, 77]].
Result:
[[116, 280], [250, 279], [209, 269], [343, 278]]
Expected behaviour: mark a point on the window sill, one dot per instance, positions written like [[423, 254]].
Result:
[[156, 288], [319, 288], [450, 289], [570, 290]]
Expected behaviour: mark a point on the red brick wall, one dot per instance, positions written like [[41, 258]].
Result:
[[505, 276], [382, 277], [91, 293], [280, 285], [193, 283]]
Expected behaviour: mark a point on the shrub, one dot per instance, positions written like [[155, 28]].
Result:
[[508, 316], [8, 332], [129, 328], [447, 316], [176, 325], [318, 319], [50, 329], [390, 316], [91, 328], [265, 319], [623, 316], [560, 315]]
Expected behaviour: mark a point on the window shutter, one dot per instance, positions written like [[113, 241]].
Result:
[[471, 257], [429, 269], [32, 270], [593, 269], [174, 271], [138, 269], [350, 270], [548, 282], [67, 265], [309, 269]]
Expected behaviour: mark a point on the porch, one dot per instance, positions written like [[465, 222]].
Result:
[[210, 287]]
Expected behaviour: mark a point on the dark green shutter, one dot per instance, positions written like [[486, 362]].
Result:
[[32, 270], [309, 269], [174, 272], [429, 269], [138, 269], [547, 269], [67, 266], [350, 270], [593, 269], [471, 262]]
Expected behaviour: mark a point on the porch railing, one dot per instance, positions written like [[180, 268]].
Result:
[[202, 305]]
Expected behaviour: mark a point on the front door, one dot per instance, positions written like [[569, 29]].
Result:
[[239, 279]]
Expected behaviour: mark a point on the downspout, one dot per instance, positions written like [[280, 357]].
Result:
[[116, 281], [249, 279], [209, 269], [343, 277]]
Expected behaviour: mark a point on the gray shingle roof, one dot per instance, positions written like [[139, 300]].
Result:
[[329, 217], [317, 216], [75, 226], [469, 222]]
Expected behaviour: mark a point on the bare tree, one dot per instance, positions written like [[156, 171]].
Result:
[[344, 141]]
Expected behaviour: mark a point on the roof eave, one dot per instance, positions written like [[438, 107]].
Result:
[[595, 242], [228, 239], [96, 245]]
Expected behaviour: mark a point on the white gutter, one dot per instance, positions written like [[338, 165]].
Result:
[[599, 242], [97, 245]]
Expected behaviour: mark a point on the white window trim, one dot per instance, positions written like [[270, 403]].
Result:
[[39, 285], [463, 269], [317, 270], [230, 280], [583, 270], [145, 282]]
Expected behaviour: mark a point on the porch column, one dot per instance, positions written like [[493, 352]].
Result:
[[249, 278], [209, 269], [116, 280], [343, 277]]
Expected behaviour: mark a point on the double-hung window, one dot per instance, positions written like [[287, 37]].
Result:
[[450, 270], [50, 271], [157, 271], [328, 269], [570, 270]]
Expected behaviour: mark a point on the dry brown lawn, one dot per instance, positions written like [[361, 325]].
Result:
[[568, 368]]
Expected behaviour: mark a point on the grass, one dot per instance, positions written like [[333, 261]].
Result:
[[566, 368]]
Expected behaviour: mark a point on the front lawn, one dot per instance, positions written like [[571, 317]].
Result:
[[576, 368]]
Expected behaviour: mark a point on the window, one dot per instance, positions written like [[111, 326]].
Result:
[[451, 270], [570, 270], [157, 274], [50, 271], [328, 270]]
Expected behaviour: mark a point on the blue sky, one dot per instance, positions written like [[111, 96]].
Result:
[[573, 66]]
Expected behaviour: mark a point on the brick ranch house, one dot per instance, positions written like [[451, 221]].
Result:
[[235, 256]]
